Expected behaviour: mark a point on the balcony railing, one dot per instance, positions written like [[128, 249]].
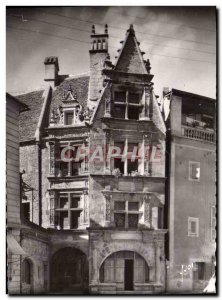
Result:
[[198, 134]]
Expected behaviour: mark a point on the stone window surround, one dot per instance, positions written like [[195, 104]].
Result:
[[68, 209], [146, 166], [54, 169], [197, 165], [83, 208], [147, 206], [190, 233], [127, 103], [126, 211]]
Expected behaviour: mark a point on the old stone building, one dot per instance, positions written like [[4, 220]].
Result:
[[191, 190], [92, 158]]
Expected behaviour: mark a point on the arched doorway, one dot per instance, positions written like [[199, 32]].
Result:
[[125, 268], [69, 272]]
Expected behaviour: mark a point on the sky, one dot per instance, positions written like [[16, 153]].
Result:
[[180, 43]]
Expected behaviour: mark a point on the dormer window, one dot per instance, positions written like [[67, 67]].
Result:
[[126, 105], [69, 118]]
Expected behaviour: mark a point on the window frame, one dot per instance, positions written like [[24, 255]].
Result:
[[83, 168], [191, 163], [125, 162], [190, 233], [127, 104], [127, 212], [68, 111], [69, 209]]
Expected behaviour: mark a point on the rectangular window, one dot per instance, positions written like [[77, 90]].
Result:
[[133, 113], [74, 222], [199, 271], [126, 105], [68, 211], [126, 214], [119, 205], [73, 166], [193, 227], [26, 210], [120, 97], [133, 220], [119, 112], [119, 164], [133, 206], [75, 201], [119, 220], [194, 171], [69, 118], [134, 98]]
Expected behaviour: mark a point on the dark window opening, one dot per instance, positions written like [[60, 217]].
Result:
[[119, 220], [63, 203], [119, 112], [120, 96], [63, 220], [147, 274], [134, 98], [193, 227], [64, 169], [26, 210], [69, 118], [119, 164], [132, 220], [76, 168], [119, 205], [160, 217], [75, 201], [133, 206], [199, 271], [132, 166], [74, 219], [133, 113], [26, 272]]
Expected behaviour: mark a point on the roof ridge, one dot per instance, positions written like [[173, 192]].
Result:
[[77, 76]]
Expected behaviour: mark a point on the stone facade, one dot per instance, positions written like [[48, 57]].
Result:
[[98, 210]]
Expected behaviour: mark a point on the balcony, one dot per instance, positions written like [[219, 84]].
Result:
[[198, 133]]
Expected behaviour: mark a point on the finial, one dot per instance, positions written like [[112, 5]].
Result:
[[131, 29], [148, 67], [106, 29], [93, 29]]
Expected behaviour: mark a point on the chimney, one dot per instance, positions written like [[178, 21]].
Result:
[[98, 54], [51, 70]]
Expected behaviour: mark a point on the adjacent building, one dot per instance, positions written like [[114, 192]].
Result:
[[191, 190]]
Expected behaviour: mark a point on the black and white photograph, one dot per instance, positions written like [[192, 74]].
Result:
[[111, 150]]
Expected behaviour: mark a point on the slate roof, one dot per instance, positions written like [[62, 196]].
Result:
[[28, 119], [79, 85]]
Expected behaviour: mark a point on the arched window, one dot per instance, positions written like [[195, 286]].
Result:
[[26, 271]]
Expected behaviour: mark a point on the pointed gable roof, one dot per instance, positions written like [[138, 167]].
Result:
[[130, 59]]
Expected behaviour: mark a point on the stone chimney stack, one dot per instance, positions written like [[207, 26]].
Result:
[[51, 70], [98, 54]]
